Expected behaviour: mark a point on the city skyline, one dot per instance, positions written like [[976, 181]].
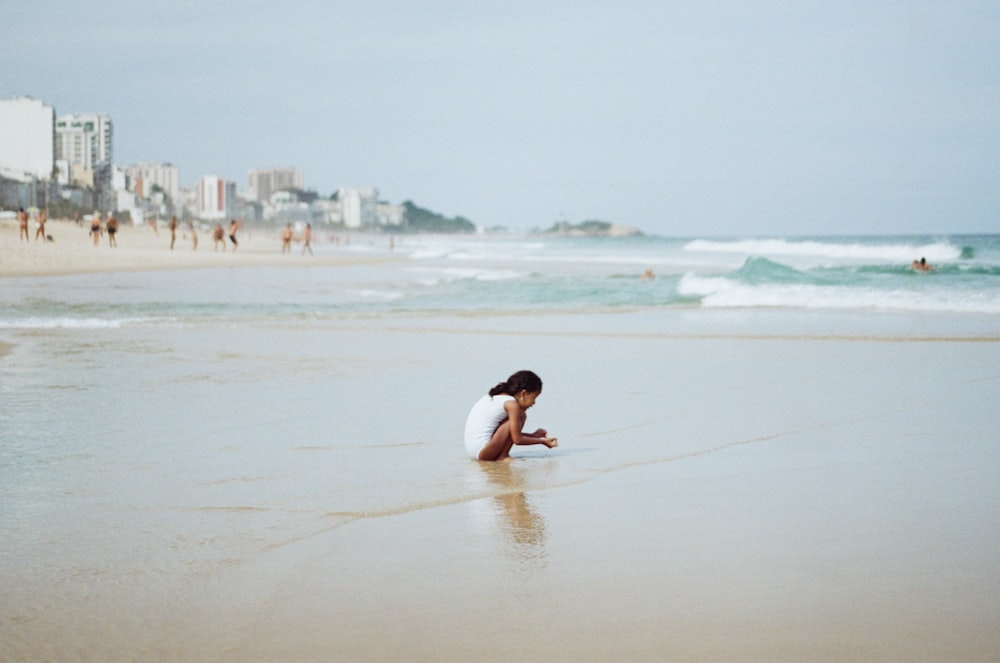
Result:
[[67, 159], [737, 119], [68, 147]]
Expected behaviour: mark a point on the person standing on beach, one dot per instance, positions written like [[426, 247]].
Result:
[[173, 231], [22, 223], [43, 216], [194, 236], [495, 422], [112, 226], [95, 227], [307, 239], [219, 235], [286, 239], [232, 234]]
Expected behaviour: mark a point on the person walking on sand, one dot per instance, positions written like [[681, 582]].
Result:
[[95, 227], [173, 231], [22, 224], [112, 227], [307, 240], [286, 239], [219, 236], [41, 219], [496, 420], [232, 234], [194, 236]]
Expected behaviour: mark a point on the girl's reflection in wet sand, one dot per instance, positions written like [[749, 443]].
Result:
[[508, 510]]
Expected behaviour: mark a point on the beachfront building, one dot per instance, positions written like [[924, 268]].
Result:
[[62, 172], [187, 205], [358, 206], [326, 212], [27, 138], [287, 207], [264, 183], [85, 141], [148, 179], [125, 200], [387, 214], [216, 198]]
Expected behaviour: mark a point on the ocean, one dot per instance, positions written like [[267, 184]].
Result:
[[462, 275], [160, 428]]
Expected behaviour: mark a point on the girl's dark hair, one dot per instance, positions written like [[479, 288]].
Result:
[[525, 380]]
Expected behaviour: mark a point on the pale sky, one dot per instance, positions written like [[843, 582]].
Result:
[[680, 118]]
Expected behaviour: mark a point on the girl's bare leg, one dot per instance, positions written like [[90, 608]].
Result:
[[500, 444], [498, 448]]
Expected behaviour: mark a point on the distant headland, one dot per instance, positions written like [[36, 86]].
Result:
[[420, 220], [591, 228]]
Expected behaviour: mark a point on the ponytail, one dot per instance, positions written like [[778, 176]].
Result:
[[522, 380]]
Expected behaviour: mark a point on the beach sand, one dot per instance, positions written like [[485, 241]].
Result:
[[730, 497], [139, 248]]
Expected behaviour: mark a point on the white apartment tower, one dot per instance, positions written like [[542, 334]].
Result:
[[27, 138], [358, 206], [84, 140], [216, 197], [144, 177], [265, 182]]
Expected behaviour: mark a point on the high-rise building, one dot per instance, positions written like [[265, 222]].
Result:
[[145, 178], [265, 182], [358, 206], [216, 197], [84, 139], [27, 138]]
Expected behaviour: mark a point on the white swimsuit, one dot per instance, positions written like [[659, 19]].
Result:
[[483, 420]]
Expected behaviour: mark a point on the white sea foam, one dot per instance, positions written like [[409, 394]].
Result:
[[451, 274], [469, 250], [497, 254], [428, 253], [893, 253], [69, 323], [721, 292], [380, 295], [493, 274]]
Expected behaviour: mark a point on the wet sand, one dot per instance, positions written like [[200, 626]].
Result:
[[824, 517], [785, 501]]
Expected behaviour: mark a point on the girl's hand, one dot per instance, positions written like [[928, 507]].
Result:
[[541, 432]]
